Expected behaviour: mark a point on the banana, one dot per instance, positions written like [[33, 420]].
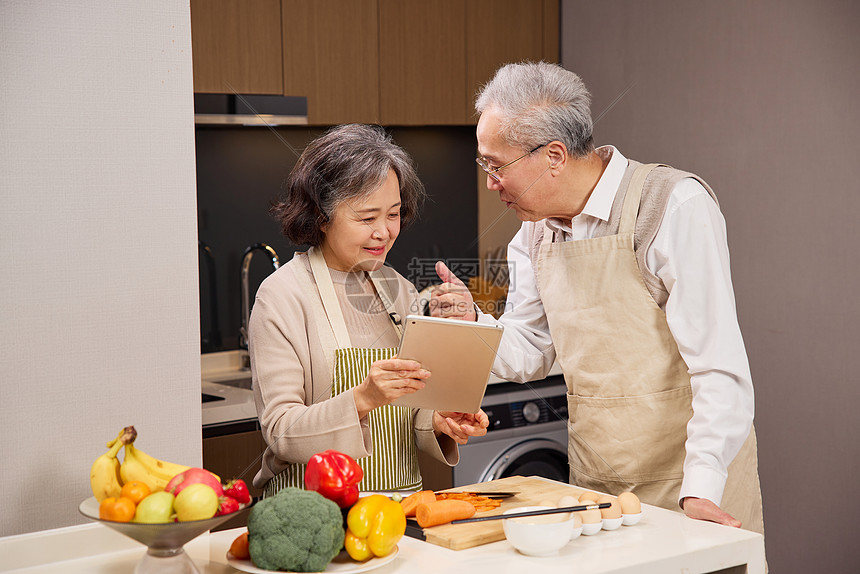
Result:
[[105, 477], [137, 465]]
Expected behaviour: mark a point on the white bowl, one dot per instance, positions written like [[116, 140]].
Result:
[[575, 532], [631, 519], [591, 528], [538, 535], [612, 523]]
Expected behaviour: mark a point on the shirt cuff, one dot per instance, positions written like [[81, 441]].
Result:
[[703, 482], [485, 318]]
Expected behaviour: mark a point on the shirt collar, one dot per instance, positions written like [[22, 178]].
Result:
[[600, 201]]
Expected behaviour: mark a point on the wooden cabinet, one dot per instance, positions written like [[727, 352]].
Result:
[[236, 46], [434, 55], [234, 451], [331, 56], [394, 62], [422, 64]]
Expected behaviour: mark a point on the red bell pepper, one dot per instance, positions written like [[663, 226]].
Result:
[[334, 475]]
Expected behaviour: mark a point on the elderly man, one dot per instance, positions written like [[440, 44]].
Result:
[[620, 272]]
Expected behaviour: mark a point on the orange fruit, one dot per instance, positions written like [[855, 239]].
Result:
[[116, 509], [135, 491]]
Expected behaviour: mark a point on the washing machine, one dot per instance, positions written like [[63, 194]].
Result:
[[527, 435]]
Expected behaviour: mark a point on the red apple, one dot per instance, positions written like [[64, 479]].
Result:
[[193, 476]]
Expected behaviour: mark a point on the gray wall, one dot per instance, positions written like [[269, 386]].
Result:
[[760, 99], [98, 281]]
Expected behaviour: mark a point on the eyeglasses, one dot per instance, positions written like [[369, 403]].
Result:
[[491, 171]]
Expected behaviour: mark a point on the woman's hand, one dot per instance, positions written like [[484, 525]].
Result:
[[452, 298], [460, 426], [704, 509], [387, 380]]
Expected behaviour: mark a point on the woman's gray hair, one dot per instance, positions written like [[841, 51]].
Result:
[[538, 103], [346, 162]]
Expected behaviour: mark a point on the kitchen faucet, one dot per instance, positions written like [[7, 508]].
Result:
[[213, 339], [246, 296]]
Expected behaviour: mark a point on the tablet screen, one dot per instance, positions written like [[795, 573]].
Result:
[[459, 356]]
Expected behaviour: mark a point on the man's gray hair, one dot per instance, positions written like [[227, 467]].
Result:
[[538, 103]]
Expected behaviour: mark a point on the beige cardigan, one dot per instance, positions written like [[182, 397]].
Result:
[[291, 369]]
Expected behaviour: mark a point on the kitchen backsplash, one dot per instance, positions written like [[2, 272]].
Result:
[[241, 170]]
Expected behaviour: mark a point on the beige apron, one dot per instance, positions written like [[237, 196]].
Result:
[[629, 394], [393, 465]]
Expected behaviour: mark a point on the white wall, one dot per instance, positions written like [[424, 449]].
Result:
[[760, 99], [98, 257]]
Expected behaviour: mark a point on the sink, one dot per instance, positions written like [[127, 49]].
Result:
[[226, 388], [226, 368], [226, 403], [243, 382]]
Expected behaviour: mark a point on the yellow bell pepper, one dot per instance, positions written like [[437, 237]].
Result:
[[375, 524]]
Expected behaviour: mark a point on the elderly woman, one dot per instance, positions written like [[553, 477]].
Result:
[[325, 326]]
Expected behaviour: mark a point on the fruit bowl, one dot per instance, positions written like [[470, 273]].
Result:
[[165, 554]]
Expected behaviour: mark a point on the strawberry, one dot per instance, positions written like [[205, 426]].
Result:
[[237, 489], [226, 505]]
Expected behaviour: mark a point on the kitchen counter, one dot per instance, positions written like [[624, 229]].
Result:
[[225, 376], [663, 541], [234, 404]]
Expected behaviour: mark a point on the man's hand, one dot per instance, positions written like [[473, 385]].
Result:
[[704, 509], [460, 426], [452, 298]]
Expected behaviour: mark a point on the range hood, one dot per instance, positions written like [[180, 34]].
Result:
[[249, 110]]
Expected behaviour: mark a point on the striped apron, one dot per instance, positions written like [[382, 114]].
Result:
[[393, 464]]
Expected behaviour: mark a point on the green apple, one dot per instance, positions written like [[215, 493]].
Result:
[[196, 502], [155, 508]]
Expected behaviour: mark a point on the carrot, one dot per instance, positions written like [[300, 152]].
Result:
[[411, 502], [443, 511]]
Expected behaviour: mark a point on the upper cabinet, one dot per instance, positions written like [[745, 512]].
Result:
[[393, 62], [331, 56], [236, 46], [422, 61]]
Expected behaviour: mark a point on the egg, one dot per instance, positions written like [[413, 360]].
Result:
[[613, 511], [577, 520], [565, 501], [629, 503], [590, 516], [592, 496]]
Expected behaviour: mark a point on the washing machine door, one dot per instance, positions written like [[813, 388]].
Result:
[[533, 457]]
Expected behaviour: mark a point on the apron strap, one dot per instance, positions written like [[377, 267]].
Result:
[[327, 338], [548, 234], [630, 210], [329, 298]]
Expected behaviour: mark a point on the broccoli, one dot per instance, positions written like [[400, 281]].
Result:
[[297, 530]]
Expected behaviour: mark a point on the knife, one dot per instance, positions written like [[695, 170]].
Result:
[[535, 512], [488, 494]]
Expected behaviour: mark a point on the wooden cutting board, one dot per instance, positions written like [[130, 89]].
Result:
[[532, 490]]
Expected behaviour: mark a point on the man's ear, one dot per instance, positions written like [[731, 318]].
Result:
[[556, 154]]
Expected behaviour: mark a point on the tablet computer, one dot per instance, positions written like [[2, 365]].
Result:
[[459, 356]]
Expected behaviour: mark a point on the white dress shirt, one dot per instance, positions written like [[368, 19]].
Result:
[[690, 255]]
